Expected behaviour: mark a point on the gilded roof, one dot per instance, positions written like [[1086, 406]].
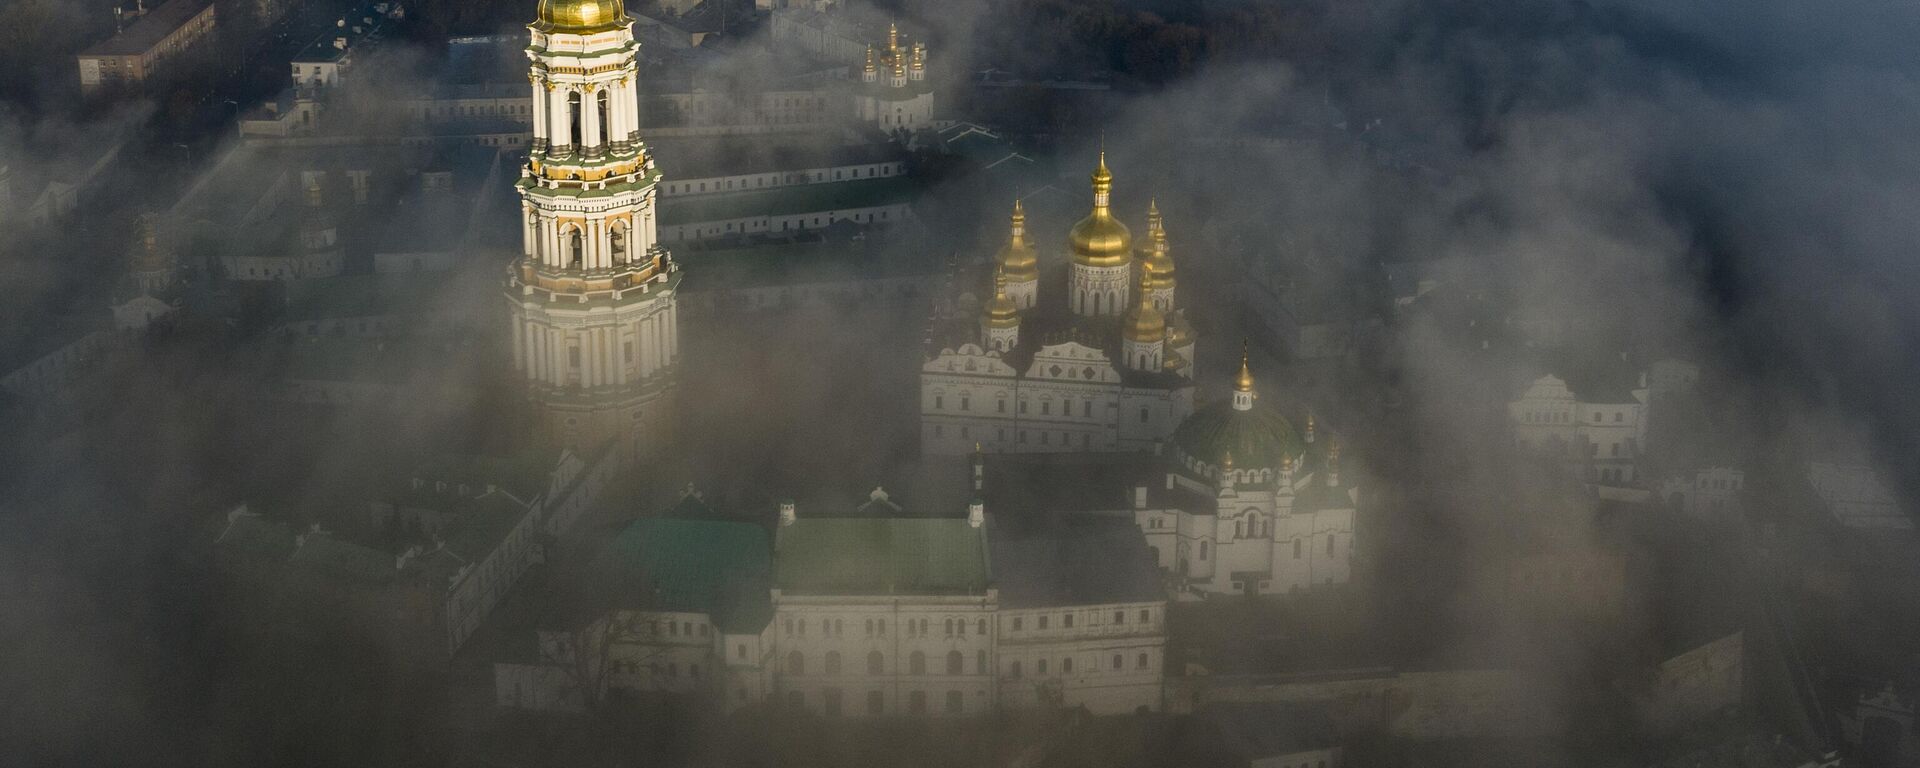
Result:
[[582, 16]]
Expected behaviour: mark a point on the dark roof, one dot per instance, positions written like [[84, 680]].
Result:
[[362, 23], [149, 30], [1256, 438], [695, 566], [320, 551], [1254, 730], [1090, 560], [881, 556], [248, 535], [799, 198], [696, 158]]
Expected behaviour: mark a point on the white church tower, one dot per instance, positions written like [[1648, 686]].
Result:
[[595, 328]]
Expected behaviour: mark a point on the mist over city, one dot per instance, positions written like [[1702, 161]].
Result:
[[1041, 383]]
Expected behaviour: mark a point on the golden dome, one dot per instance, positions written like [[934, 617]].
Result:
[[582, 16], [1017, 258], [1100, 240], [148, 255], [1144, 323], [1159, 263], [1243, 381], [1001, 313]]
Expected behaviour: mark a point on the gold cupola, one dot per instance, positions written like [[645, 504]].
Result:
[[1100, 240], [1017, 258], [1243, 381], [1001, 313], [148, 255], [1144, 323], [581, 17], [1159, 262]]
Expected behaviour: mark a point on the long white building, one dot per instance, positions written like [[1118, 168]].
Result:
[[873, 612]]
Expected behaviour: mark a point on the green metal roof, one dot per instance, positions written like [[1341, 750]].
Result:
[[882, 556], [696, 566], [1257, 437]]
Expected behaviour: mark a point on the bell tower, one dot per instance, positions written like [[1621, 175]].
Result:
[[592, 296]]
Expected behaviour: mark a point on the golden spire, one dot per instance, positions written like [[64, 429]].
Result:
[[1144, 323], [148, 256], [869, 57], [1100, 240], [1018, 258], [893, 38], [1001, 313], [1158, 263], [1226, 462], [1243, 381]]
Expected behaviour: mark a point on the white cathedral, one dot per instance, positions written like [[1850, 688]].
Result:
[[1106, 366], [1245, 504], [595, 324]]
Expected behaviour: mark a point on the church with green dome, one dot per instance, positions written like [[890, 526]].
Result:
[[1248, 504]]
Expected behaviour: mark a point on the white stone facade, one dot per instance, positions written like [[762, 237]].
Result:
[[1069, 398], [595, 320], [1601, 439], [1252, 540]]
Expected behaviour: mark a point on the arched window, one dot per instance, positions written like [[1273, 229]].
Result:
[[833, 662], [576, 247], [917, 663], [1013, 670], [617, 242], [956, 663], [573, 118], [606, 124], [1118, 662], [983, 627], [1203, 550], [949, 627], [796, 664]]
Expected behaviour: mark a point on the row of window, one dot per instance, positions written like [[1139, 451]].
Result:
[[1550, 417], [798, 223], [1119, 663], [669, 670], [916, 627], [762, 181], [671, 628], [1066, 619], [877, 663], [876, 702]]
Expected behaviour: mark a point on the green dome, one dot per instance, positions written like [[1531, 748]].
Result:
[[1257, 438]]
